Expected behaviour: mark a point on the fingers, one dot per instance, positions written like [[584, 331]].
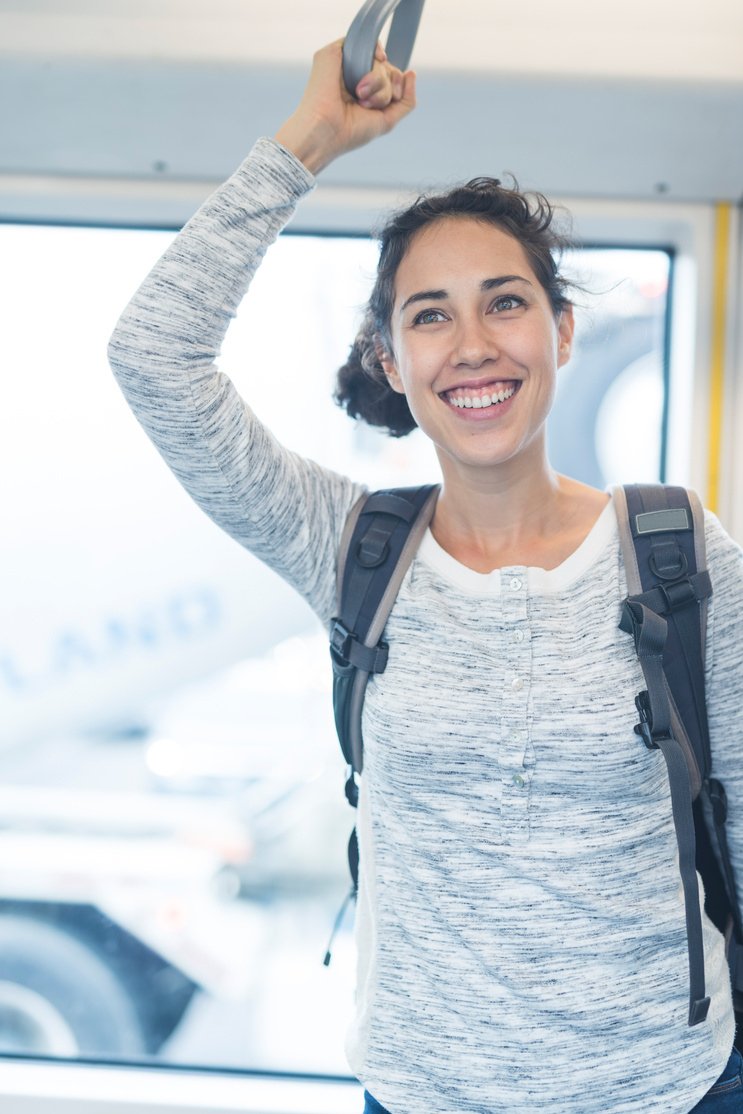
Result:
[[383, 85], [405, 103]]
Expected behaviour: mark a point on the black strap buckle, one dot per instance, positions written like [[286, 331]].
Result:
[[340, 640], [347, 653], [718, 799], [678, 595], [645, 727]]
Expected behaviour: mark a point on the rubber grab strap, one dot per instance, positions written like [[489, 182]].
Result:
[[363, 35]]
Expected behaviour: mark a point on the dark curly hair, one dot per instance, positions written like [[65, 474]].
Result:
[[362, 388]]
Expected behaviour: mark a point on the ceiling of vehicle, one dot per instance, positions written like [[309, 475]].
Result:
[[642, 99], [667, 40]]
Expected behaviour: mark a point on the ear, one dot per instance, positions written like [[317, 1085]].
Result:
[[389, 367], [565, 330]]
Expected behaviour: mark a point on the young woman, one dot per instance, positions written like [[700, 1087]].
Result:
[[520, 923]]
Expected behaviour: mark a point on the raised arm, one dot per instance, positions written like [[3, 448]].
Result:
[[286, 510]]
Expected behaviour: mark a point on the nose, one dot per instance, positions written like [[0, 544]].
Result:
[[474, 343]]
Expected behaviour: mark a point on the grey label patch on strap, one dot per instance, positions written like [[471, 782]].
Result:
[[658, 522]]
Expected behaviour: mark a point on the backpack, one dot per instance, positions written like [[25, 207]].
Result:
[[662, 536]]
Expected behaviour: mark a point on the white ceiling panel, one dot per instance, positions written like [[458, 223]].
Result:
[[667, 40]]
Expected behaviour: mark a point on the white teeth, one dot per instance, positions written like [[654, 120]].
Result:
[[478, 402]]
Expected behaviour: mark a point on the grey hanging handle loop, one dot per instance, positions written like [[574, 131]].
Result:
[[363, 35]]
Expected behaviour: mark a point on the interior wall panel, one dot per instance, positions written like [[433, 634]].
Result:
[[182, 122]]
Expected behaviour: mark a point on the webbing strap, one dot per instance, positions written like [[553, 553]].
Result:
[[716, 798], [678, 777], [667, 598], [735, 965], [386, 502], [650, 631]]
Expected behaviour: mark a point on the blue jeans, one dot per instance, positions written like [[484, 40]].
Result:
[[371, 1106], [724, 1097]]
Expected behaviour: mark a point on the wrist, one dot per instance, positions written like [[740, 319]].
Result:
[[308, 141]]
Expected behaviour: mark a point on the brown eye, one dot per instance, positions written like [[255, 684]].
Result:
[[428, 317], [506, 302]]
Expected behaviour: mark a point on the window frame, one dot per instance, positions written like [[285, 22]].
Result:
[[37, 1086], [687, 231]]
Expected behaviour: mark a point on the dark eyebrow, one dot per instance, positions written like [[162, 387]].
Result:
[[425, 296], [442, 295], [494, 283]]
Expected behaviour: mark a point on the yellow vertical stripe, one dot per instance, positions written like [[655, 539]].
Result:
[[717, 353]]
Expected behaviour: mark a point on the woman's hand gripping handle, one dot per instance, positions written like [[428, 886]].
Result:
[[329, 121]]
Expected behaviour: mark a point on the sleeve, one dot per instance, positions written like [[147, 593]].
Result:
[[286, 510], [724, 678]]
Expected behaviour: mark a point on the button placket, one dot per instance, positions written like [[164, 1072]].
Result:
[[517, 685]]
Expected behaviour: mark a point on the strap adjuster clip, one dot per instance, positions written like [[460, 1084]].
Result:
[[677, 595], [340, 636], [347, 653], [645, 727], [341, 639], [718, 800]]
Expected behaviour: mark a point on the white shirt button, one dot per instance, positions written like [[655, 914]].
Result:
[[514, 735], [516, 583], [518, 781], [517, 684], [518, 636]]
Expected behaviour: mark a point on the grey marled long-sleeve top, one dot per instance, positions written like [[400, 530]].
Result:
[[521, 929]]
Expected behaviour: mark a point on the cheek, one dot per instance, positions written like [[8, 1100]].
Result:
[[539, 354], [418, 365], [536, 346]]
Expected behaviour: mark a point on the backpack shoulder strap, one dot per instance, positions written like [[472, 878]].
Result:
[[662, 535], [380, 539], [661, 529]]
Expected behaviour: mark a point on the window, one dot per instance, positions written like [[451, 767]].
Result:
[[608, 425], [172, 841]]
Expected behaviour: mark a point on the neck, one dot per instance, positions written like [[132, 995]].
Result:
[[520, 512]]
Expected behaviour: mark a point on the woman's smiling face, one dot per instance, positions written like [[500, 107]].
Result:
[[476, 344]]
